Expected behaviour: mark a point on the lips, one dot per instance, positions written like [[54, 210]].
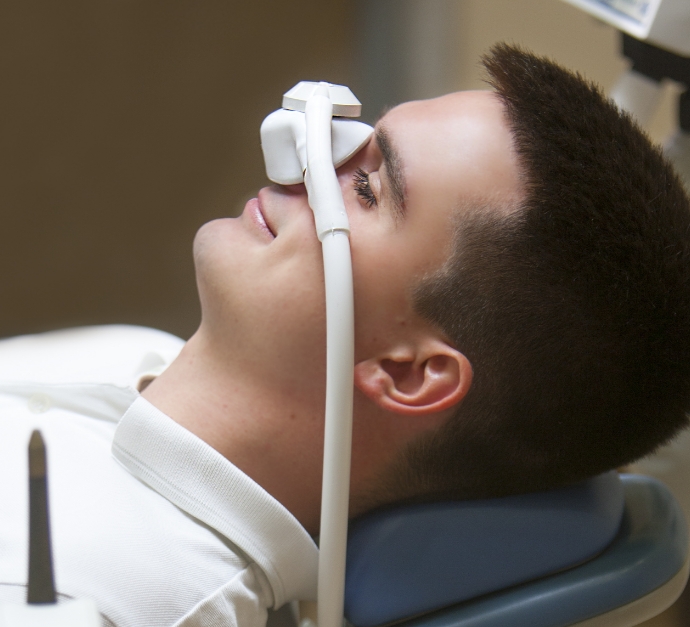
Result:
[[258, 218]]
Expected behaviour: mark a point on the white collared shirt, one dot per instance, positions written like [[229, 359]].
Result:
[[163, 531]]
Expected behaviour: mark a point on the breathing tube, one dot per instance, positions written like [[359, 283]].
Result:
[[303, 141]]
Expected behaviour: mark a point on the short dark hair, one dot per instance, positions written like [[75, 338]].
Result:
[[574, 310]]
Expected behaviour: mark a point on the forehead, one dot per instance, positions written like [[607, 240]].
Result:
[[458, 146]]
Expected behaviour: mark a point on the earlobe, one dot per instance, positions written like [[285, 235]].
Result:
[[432, 380]]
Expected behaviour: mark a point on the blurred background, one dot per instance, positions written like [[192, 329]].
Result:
[[128, 124]]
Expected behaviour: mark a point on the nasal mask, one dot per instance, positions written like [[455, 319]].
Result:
[[294, 153], [306, 141]]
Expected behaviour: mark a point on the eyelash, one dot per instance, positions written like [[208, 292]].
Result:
[[363, 188]]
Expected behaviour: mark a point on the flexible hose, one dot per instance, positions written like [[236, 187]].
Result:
[[332, 226]]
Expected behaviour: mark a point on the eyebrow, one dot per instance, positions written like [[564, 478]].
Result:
[[394, 170]]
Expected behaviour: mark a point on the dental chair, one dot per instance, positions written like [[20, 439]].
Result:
[[611, 551]]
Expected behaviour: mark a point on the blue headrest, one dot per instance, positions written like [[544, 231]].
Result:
[[410, 560]]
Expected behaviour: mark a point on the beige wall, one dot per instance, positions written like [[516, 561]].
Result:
[[125, 126], [552, 28]]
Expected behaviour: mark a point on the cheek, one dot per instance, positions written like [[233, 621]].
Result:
[[382, 306], [236, 276], [270, 317]]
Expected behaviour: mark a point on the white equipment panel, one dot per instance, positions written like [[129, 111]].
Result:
[[665, 23]]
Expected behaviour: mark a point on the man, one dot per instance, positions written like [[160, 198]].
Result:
[[522, 287]]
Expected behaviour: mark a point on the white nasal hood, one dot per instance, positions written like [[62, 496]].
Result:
[[284, 135]]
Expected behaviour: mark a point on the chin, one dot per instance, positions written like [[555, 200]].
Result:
[[210, 235], [213, 261], [215, 246]]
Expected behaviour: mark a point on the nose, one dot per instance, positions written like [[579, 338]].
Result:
[[296, 189]]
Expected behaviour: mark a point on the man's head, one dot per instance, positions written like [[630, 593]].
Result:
[[520, 267], [261, 284]]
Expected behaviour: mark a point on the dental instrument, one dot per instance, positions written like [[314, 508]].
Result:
[[41, 588], [42, 609], [304, 142]]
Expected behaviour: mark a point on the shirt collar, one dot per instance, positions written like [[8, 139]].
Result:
[[199, 480]]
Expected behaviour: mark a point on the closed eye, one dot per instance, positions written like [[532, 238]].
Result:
[[363, 187]]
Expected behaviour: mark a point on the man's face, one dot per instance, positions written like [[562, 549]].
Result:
[[260, 276]]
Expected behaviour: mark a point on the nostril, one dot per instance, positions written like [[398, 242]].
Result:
[[297, 188]]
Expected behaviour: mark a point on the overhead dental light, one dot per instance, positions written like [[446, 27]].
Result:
[[305, 142]]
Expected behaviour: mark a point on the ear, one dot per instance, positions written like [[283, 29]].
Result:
[[415, 381]]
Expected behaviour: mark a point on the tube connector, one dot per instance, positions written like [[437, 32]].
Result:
[[325, 197], [345, 103]]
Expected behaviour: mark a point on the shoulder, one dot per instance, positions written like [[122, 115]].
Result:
[[243, 601], [109, 353]]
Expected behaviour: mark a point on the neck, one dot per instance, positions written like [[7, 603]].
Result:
[[272, 437]]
